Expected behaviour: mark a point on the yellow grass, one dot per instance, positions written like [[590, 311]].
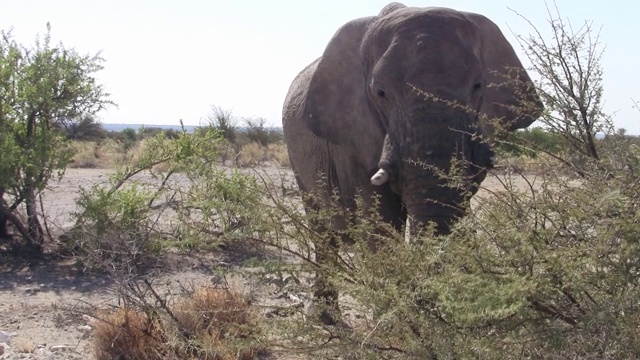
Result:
[[252, 154], [90, 154], [278, 153]]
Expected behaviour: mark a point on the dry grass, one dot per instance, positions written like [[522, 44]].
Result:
[[84, 155], [252, 154], [212, 324], [219, 319], [133, 156], [278, 153], [129, 334], [108, 153], [134, 153], [90, 154]]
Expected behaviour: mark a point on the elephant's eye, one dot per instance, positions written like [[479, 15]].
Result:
[[477, 86], [380, 92]]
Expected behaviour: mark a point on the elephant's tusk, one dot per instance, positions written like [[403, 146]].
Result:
[[380, 178]]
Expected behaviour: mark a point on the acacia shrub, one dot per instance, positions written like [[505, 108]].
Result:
[[45, 89]]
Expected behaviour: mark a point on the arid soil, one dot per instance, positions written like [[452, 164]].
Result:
[[45, 306]]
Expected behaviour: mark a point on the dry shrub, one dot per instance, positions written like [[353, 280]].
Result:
[[212, 323], [220, 320], [252, 154], [129, 334], [277, 152]]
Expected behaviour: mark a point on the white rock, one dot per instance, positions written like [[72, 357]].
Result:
[[60, 348], [85, 328]]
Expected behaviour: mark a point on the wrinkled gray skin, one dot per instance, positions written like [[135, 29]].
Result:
[[351, 119]]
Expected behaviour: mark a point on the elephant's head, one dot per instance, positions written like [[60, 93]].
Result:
[[420, 80]]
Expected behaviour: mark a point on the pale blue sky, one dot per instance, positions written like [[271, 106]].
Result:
[[167, 61]]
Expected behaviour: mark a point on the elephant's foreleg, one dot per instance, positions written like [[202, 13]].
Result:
[[325, 295], [324, 305]]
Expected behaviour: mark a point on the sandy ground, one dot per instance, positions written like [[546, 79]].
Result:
[[42, 304]]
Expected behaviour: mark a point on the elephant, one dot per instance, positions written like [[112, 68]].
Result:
[[391, 93]]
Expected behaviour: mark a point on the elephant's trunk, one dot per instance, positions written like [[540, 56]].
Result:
[[430, 198], [437, 166], [441, 213]]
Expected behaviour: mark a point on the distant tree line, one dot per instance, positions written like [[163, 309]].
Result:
[[253, 130]]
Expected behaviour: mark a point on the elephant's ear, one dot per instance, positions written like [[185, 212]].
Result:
[[336, 107], [510, 95]]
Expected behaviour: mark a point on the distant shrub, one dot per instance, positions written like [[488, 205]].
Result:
[[127, 137], [85, 129], [224, 122]]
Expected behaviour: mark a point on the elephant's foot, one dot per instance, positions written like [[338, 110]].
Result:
[[325, 313], [324, 305]]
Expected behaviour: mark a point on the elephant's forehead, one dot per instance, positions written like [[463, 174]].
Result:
[[434, 19], [432, 31]]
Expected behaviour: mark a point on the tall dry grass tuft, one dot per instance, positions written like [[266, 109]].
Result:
[[212, 323], [129, 334], [221, 320]]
